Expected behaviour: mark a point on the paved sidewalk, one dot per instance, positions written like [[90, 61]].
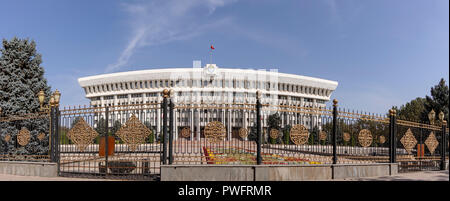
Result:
[[411, 176]]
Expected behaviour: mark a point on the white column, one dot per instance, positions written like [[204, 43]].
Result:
[[229, 124], [198, 123], [191, 120]]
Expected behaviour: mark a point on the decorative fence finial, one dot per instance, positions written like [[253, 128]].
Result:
[[165, 93]]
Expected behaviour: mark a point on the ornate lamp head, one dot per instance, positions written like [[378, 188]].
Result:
[[57, 96], [441, 116], [41, 96], [52, 101], [431, 116]]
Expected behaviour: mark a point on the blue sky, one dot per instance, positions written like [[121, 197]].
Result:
[[382, 53]]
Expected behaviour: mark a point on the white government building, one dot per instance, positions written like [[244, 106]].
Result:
[[209, 85]]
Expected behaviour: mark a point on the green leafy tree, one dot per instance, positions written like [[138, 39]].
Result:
[[437, 102], [412, 111], [21, 78]]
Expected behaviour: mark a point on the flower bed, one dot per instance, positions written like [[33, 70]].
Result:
[[248, 157]]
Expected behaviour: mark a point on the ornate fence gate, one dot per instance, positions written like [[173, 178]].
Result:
[[424, 146], [111, 142]]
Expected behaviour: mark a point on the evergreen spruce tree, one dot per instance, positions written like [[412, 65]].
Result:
[[21, 78]]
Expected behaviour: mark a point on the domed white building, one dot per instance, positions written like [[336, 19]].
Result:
[[209, 85]]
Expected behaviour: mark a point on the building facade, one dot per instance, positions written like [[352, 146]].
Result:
[[212, 86]]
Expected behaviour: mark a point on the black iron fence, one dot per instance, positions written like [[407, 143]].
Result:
[[287, 134], [114, 142], [133, 141], [25, 137], [424, 146]]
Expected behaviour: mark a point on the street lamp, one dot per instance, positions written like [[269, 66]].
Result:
[[441, 116], [431, 116], [54, 100]]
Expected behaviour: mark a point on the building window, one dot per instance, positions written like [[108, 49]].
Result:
[[151, 95], [108, 97], [136, 95], [122, 96], [294, 98]]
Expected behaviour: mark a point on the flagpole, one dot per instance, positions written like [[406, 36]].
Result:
[[210, 54]]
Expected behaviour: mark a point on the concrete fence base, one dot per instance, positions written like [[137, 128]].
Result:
[[274, 172], [40, 169]]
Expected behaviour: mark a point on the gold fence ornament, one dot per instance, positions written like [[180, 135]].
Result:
[[23, 137], [274, 133], [243, 133], [133, 132], [365, 138], [409, 141], [431, 142], [382, 139], [41, 136], [215, 131], [299, 134], [7, 138], [346, 136], [82, 134], [186, 132]]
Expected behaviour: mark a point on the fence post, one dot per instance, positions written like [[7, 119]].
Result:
[[334, 130], [52, 135], [57, 138], [106, 140], [164, 106], [171, 105], [443, 144], [258, 128], [392, 137]]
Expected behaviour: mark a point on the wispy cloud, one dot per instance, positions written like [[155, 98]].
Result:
[[334, 10], [160, 22]]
